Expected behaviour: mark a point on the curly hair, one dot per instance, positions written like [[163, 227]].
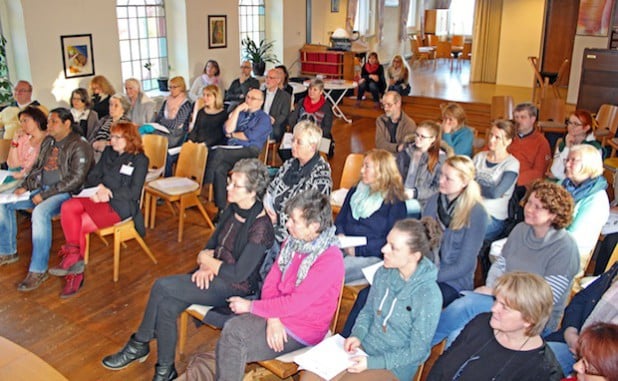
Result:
[[388, 179], [556, 200]]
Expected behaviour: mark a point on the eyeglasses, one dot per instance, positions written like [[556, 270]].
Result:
[[249, 97], [576, 124], [422, 137], [387, 105], [174, 87], [233, 185], [117, 137]]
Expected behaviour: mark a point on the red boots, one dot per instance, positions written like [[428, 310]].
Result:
[[71, 267], [73, 284]]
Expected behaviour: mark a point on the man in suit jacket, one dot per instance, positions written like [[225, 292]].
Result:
[[276, 103]]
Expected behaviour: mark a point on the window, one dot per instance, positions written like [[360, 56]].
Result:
[[365, 19], [251, 20], [412, 14], [461, 17], [143, 40]]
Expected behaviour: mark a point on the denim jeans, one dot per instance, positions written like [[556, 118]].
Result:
[[495, 227], [563, 355], [355, 265], [455, 317], [41, 228]]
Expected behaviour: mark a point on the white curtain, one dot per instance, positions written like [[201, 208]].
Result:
[[380, 14], [404, 11], [351, 15]]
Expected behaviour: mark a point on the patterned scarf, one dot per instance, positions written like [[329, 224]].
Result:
[[312, 250], [585, 189]]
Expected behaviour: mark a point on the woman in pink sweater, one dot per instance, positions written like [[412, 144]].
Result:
[[299, 295]]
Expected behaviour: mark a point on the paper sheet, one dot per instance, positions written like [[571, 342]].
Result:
[[611, 225], [328, 358], [351, 241], [160, 127], [337, 197], [4, 174], [87, 192], [9, 197], [174, 151], [370, 271]]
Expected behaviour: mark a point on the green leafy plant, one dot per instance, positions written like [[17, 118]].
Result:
[[6, 89], [258, 53]]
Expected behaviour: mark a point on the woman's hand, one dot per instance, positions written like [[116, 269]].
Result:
[[239, 305], [103, 194], [100, 145], [271, 213], [276, 337], [349, 251], [19, 191], [359, 364], [351, 344], [374, 77], [571, 338], [202, 255], [202, 278]]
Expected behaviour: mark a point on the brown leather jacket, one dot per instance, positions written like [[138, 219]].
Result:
[[74, 161]]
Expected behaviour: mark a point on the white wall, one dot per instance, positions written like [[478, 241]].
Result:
[[520, 37]]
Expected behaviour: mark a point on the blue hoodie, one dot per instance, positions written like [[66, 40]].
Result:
[[399, 337]]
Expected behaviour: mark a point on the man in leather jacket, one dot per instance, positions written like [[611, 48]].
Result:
[[59, 171]]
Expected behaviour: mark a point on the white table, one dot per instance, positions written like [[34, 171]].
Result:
[[331, 85]]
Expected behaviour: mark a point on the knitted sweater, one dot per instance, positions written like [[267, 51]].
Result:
[[461, 141], [305, 310], [405, 127], [399, 338], [533, 153]]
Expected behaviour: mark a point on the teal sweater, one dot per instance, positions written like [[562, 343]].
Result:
[[400, 341], [461, 141]]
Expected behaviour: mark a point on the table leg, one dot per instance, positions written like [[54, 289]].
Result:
[[336, 110]]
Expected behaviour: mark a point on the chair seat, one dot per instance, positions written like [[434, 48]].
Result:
[[174, 185], [611, 164], [153, 174]]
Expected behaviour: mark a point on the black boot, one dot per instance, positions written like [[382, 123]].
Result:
[[165, 372], [134, 350]]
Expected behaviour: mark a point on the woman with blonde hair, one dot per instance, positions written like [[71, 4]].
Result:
[[398, 76], [370, 210], [208, 118], [458, 208], [455, 133], [101, 91]]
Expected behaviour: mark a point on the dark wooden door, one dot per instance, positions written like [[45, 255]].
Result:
[[560, 27]]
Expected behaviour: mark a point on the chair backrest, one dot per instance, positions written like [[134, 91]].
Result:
[[5, 146], [606, 115], [612, 259], [466, 53], [432, 39], [436, 352], [155, 148], [534, 62], [562, 72], [553, 109], [443, 49], [192, 162], [414, 44], [457, 40], [351, 170], [502, 107]]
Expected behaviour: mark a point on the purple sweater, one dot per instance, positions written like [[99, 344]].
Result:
[[305, 310]]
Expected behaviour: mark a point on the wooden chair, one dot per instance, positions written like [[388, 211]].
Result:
[[443, 50], [612, 259], [350, 175], [155, 148], [607, 123], [466, 53], [5, 146], [458, 40], [423, 371], [184, 187], [541, 84], [562, 74], [432, 39], [421, 53], [552, 115], [502, 107]]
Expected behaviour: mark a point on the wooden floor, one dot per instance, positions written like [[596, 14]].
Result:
[[74, 334]]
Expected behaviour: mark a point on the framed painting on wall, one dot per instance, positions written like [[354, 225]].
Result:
[[217, 32], [77, 57], [334, 6], [594, 17]]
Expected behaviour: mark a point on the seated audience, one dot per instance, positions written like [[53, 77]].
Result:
[[247, 127], [598, 353], [118, 107], [285, 80], [579, 131], [504, 344], [315, 108], [119, 177], [83, 115], [22, 95], [529, 146], [459, 210], [101, 90], [496, 173], [228, 267], [370, 210], [372, 80], [210, 76], [596, 303], [585, 182], [419, 164], [299, 295], [277, 103], [26, 143], [209, 118], [394, 126], [142, 107], [60, 169], [175, 114], [397, 323], [239, 88], [455, 133], [539, 245], [398, 76]]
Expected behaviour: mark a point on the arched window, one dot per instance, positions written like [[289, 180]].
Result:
[[252, 20], [143, 40]]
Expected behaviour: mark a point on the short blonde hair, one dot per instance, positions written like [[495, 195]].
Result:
[[530, 295], [216, 92], [179, 81], [453, 110], [592, 161], [388, 179], [311, 131]]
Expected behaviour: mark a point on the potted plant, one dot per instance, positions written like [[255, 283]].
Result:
[[6, 89], [258, 54], [161, 80]]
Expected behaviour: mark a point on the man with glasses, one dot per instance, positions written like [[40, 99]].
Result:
[[60, 169], [22, 97], [394, 126], [247, 130], [240, 87], [277, 103]]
